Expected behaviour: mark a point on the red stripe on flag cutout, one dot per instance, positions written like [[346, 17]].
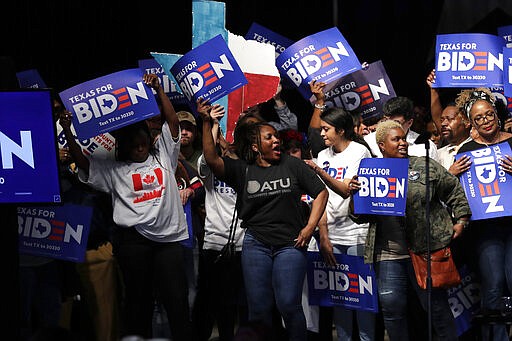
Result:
[[259, 89]]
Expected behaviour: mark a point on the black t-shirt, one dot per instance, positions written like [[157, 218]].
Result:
[[473, 145], [271, 206]]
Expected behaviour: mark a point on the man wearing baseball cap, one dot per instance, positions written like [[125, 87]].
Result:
[[190, 141]]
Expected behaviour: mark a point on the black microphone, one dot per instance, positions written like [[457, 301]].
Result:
[[424, 138]]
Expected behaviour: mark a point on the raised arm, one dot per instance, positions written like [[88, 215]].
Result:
[[168, 111], [213, 159], [317, 88], [287, 119], [76, 151], [436, 109], [216, 113], [315, 139]]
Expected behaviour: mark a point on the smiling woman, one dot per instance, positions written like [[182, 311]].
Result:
[[270, 185], [390, 238], [391, 139]]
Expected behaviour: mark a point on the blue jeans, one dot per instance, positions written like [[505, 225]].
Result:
[[394, 278], [342, 316], [494, 252], [275, 272]]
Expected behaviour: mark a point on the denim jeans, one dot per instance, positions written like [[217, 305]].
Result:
[[394, 279], [343, 317], [494, 252], [275, 272]]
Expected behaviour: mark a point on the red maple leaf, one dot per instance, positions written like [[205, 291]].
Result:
[[148, 179]]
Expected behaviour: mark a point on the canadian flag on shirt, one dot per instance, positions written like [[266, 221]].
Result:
[[147, 181]]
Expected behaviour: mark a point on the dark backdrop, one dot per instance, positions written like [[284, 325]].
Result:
[[71, 42]]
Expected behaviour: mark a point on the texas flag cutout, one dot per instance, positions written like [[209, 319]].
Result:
[[257, 62], [255, 59]]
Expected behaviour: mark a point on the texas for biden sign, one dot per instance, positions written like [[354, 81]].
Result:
[[109, 103], [209, 72], [325, 56], [383, 186], [28, 147]]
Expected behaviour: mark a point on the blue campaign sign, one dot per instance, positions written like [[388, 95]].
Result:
[[151, 65], [325, 56], [464, 299], [28, 144], [209, 71], [506, 33], [30, 79], [110, 102], [383, 186], [469, 60], [365, 90], [487, 186], [189, 243], [350, 283], [507, 74], [59, 232], [499, 94], [264, 35]]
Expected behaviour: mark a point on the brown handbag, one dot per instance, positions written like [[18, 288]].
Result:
[[443, 271]]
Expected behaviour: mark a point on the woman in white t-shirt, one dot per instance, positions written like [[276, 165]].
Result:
[[149, 217], [336, 165], [220, 295]]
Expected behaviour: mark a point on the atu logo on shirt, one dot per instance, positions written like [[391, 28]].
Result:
[[254, 186]]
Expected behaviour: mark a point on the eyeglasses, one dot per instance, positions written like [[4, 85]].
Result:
[[489, 117]]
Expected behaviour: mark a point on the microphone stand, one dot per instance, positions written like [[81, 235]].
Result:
[[427, 220]]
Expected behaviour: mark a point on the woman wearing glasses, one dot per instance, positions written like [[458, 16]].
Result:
[[493, 236]]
